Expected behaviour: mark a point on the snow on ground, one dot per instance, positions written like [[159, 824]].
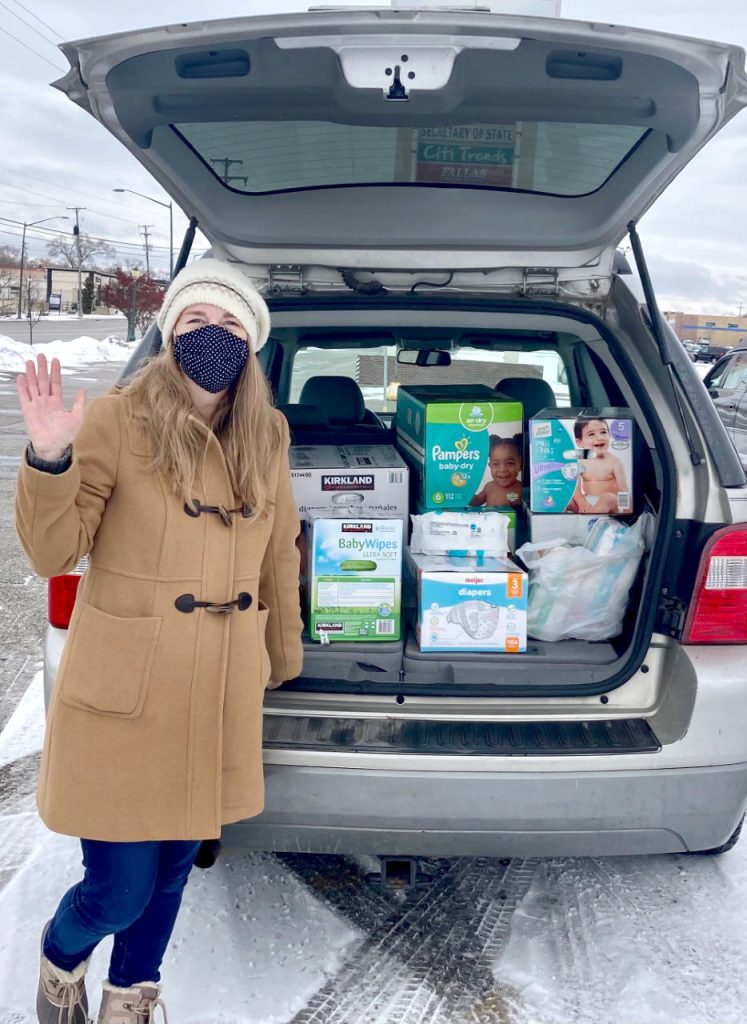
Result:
[[251, 945], [76, 352], [637, 940], [24, 731], [54, 318]]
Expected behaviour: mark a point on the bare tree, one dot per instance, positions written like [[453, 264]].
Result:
[[66, 249], [9, 256], [34, 306], [8, 298]]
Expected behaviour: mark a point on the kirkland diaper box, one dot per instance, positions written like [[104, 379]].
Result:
[[353, 480], [469, 604], [581, 461], [355, 578], [447, 435]]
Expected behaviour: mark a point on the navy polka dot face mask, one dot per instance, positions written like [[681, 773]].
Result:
[[211, 356]]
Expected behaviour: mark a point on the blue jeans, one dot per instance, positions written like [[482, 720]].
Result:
[[130, 890]]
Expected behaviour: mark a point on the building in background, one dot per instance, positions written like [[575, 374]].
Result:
[[716, 330], [62, 282]]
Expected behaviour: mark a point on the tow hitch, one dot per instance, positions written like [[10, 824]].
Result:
[[397, 873]]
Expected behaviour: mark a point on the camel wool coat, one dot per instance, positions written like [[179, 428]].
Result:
[[155, 726]]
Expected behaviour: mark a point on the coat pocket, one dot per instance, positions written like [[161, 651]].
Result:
[[265, 668], [108, 666]]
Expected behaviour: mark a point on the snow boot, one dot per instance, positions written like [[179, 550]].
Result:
[[134, 1005], [61, 997]]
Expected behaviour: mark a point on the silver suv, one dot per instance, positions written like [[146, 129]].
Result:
[[457, 183]]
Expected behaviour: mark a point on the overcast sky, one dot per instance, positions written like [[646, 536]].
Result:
[[53, 155]]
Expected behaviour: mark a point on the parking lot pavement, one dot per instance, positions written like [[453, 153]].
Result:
[[51, 329]]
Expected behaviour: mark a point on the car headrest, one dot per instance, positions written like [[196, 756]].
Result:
[[339, 398], [533, 393], [304, 415]]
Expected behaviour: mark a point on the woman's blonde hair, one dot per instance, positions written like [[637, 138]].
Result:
[[244, 424]]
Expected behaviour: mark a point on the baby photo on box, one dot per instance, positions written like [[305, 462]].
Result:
[[581, 461]]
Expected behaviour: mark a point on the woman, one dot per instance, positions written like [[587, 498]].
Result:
[[177, 486]]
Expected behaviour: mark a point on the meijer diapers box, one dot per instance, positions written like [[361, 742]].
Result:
[[467, 604], [356, 579], [352, 479], [463, 442], [581, 461]]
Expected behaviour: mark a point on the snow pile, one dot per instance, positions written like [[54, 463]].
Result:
[[77, 352]]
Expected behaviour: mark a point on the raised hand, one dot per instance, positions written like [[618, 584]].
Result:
[[48, 423]]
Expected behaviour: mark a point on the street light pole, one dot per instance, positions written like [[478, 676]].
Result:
[[23, 255], [171, 221]]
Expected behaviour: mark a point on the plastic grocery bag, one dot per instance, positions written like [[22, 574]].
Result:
[[580, 591]]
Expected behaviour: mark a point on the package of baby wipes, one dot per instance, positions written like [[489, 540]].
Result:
[[355, 578], [462, 533]]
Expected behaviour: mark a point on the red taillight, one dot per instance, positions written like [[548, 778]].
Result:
[[61, 591], [718, 610]]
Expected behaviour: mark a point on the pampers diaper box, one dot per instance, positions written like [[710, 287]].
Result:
[[581, 461], [444, 433], [469, 604], [356, 578]]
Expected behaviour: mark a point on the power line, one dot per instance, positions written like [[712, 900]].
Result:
[[118, 245], [24, 204], [69, 188], [54, 233], [28, 25], [122, 254], [32, 50], [43, 195], [37, 18]]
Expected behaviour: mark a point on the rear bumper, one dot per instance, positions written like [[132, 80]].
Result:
[[511, 814], [669, 802]]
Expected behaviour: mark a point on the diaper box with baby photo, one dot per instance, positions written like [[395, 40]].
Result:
[[469, 604], [581, 461], [464, 444], [355, 581]]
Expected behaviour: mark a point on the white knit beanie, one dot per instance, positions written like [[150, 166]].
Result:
[[220, 284]]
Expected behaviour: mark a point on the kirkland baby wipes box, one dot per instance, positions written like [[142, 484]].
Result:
[[464, 443], [470, 604], [351, 480], [581, 461], [356, 579]]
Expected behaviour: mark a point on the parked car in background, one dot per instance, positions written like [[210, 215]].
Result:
[[692, 348], [458, 182], [727, 386], [708, 353]]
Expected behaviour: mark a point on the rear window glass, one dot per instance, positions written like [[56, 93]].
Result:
[[552, 158], [379, 378]]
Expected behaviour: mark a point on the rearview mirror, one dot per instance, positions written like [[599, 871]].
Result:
[[423, 357]]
